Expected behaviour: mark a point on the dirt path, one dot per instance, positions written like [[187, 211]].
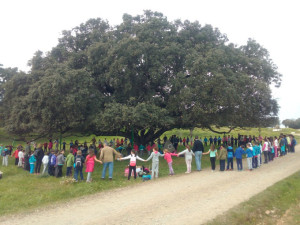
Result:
[[185, 199]]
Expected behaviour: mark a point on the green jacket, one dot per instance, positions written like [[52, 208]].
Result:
[[222, 154], [70, 160]]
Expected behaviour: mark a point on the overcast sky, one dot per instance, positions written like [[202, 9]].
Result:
[[31, 25]]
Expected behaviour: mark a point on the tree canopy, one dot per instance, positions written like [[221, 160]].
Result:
[[142, 77], [295, 124]]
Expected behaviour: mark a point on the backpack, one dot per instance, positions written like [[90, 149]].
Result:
[[78, 162]]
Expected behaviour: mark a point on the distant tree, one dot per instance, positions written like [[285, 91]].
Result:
[[295, 124], [143, 77]]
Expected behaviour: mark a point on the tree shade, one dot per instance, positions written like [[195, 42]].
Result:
[[142, 77]]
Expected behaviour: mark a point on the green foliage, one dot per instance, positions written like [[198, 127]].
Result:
[[295, 124], [143, 77]]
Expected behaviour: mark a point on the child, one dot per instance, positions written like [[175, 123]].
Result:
[[21, 158], [168, 158], [4, 154], [249, 153], [90, 163], [230, 155], [60, 161], [70, 163], [213, 153], [79, 162], [239, 157], [188, 154], [222, 157], [45, 162], [16, 155], [132, 165], [32, 160], [52, 162], [155, 161]]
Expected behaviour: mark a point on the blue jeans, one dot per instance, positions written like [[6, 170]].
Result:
[[229, 162], [78, 170], [198, 156], [110, 166]]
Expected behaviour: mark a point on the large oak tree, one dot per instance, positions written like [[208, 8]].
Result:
[[143, 77]]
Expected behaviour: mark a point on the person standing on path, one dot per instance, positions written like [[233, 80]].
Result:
[[213, 153], [222, 157], [249, 153], [239, 157], [198, 150], [107, 157], [266, 150], [188, 158]]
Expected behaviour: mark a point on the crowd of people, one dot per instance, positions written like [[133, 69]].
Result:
[[33, 156]]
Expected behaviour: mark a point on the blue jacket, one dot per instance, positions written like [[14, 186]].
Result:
[[239, 153], [230, 153], [249, 153], [32, 159]]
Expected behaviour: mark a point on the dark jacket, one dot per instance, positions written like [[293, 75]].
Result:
[[198, 146]]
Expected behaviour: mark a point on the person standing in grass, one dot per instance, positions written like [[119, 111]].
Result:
[[107, 157], [222, 157], [239, 152], [70, 163], [21, 158], [79, 162], [16, 155], [90, 164], [188, 154], [132, 164], [4, 154], [168, 157], [213, 153], [39, 154], [32, 161], [249, 153], [45, 162], [155, 161], [60, 161]]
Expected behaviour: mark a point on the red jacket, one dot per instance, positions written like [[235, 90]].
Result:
[[16, 154]]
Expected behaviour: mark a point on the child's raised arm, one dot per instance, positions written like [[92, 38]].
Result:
[[205, 153]]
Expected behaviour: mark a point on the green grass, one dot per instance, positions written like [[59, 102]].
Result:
[[268, 206], [19, 190]]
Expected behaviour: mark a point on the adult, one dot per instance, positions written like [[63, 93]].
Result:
[[107, 157], [198, 150], [293, 143], [266, 150], [275, 144], [39, 154]]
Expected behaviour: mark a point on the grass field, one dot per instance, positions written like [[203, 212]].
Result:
[[21, 191], [278, 203]]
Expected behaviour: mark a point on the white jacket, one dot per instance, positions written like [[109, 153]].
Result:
[[133, 159], [188, 154], [45, 159]]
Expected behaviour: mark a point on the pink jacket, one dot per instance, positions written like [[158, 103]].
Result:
[[168, 157]]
